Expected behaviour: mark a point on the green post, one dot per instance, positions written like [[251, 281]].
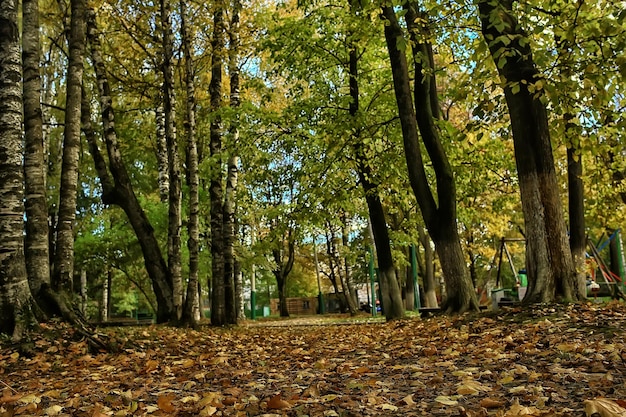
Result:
[[320, 297], [372, 280], [416, 288], [253, 295]]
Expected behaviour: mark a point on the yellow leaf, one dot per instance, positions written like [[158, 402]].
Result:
[[53, 410], [208, 411], [604, 407], [188, 363], [30, 399], [444, 399], [408, 400], [389, 407]]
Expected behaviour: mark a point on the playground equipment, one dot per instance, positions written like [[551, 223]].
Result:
[[516, 293], [601, 280]]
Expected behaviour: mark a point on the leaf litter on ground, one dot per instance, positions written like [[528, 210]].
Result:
[[564, 360]]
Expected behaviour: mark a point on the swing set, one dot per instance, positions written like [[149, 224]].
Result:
[[601, 280], [610, 284]]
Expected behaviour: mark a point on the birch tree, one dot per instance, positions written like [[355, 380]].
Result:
[[15, 305], [36, 239]]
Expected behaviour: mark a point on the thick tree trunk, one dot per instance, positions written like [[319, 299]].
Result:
[[174, 258], [440, 220], [36, 239], [216, 191], [193, 180], [118, 190], [551, 273], [15, 296], [63, 277]]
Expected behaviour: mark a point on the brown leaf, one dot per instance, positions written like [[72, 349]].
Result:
[[277, 403], [491, 403], [165, 403], [10, 398]]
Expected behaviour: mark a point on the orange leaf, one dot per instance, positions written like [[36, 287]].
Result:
[[165, 403], [491, 403], [277, 403], [10, 398]]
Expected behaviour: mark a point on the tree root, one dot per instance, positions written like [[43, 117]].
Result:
[[59, 304]]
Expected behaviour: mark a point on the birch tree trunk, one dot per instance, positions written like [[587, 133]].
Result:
[[15, 304], [216, 191], [161, 154], [36, 239], [63, 277], [229, 230], [175, 191], [193, 225]]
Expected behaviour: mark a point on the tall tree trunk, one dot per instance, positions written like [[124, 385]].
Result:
[[346, 279], [576, 197], [233, 170], [36, 239], [428, 271], [239, 292], [193, 180], [103, 315], [282, 270], [161, 154], [216, 191], [576, 204], [63, 277], [409, 288], [174, 261], [389, 287], [551, 273], [440, 218], [15, 296], [391, 294], [118, 190]]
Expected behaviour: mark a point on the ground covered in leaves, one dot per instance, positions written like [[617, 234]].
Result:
[[545, 362]]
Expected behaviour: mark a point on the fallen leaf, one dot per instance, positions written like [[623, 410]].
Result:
[[604, 407], [442, 399], [10, 398], [277, 403], [208, 411], [164, 402], [389, 407], [408, 400], [491, 403], [53, 410]]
